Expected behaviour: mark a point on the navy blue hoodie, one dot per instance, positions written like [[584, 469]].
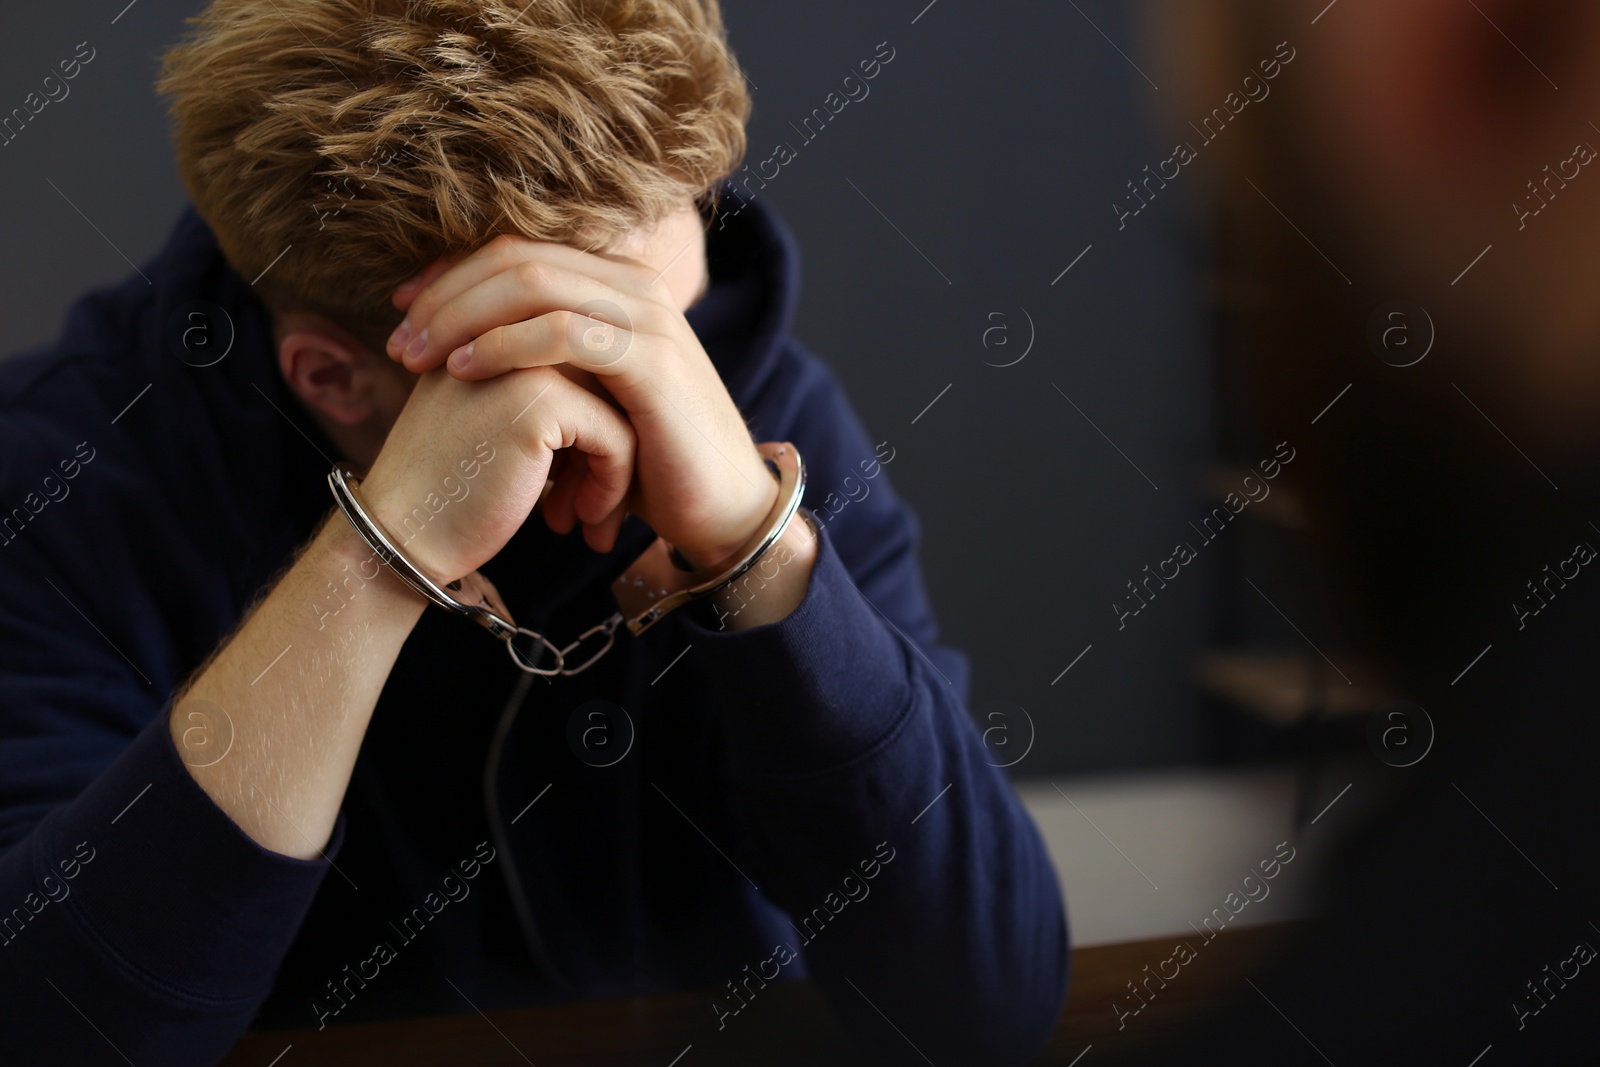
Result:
[[704, 808]]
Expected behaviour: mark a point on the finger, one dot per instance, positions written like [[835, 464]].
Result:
[[520, 292], [588, 343], [406, 292], [507, 251], [602, 536], [552, 478], [560, 510], [562, 414], [585, 378], [404, 297]]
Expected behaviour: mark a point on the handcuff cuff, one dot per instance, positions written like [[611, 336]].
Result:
[[657, 582]]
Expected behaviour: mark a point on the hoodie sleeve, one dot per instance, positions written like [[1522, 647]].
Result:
[[919, 890], [137, 921]]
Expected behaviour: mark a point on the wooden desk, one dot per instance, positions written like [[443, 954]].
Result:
[[789, 1024]]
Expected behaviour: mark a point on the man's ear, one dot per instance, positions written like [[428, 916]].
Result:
[[334, 377]]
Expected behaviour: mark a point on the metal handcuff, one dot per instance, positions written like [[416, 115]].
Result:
[[657, 582]]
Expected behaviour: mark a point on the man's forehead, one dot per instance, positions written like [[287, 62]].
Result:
[[651, 239]]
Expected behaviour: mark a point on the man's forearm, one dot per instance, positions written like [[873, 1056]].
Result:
[[271, 727]]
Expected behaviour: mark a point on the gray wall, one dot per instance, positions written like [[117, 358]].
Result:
[[995, 140]]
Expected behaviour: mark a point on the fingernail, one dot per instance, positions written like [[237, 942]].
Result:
[[414, 349], [402, 333], [461, 356], [410, 283]]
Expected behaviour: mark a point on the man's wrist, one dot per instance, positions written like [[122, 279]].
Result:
[[351, 562], [722, 556], [776, 585]]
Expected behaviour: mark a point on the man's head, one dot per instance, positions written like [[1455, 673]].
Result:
[[355, 392], [338, 147]]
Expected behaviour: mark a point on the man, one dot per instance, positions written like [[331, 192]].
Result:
[[247, 775]]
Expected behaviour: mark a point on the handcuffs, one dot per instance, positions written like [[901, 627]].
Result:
[[656, 583]]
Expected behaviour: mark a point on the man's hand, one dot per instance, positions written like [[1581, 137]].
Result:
[[297, 684], [516, 304], [465, 463]]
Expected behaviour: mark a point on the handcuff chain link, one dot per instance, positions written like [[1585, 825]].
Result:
[[539, 639], [608, 628]]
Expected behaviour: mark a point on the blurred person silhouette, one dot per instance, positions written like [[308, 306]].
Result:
[[1418, 175]]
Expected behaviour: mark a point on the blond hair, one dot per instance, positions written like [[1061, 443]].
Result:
[[361, 139]]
